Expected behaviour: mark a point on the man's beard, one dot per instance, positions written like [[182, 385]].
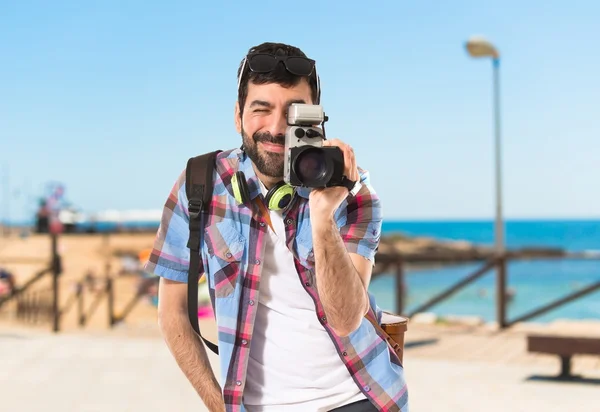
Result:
[[268, 163]]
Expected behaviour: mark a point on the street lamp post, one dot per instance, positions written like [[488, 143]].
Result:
[[4, 222], [479, 47]]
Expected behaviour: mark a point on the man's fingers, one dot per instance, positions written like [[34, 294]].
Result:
[[332, 142], [353, 172], [350, 168]]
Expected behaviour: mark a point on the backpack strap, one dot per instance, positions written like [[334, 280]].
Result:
[[199, 189]]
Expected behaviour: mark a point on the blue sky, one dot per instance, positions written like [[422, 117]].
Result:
[[112, 97]]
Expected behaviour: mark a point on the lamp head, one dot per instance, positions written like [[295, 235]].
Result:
[[479, 46]]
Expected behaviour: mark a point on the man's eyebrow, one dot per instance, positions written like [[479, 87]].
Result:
[[260, 103], [302, 101], [264, 103]]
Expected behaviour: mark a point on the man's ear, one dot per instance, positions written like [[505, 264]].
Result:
[[237, 118]]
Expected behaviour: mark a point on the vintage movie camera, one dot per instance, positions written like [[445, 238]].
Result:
[[307, 163]]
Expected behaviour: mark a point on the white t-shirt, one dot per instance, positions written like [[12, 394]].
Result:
[[293, 363]]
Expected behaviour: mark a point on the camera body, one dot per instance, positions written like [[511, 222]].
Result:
[[306, 162]]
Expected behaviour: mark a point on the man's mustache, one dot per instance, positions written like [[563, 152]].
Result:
[[268, 138]]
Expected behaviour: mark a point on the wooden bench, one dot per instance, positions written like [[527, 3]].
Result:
[[565, 347]]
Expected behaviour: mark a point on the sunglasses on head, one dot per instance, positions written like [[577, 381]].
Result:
[[265, 63]]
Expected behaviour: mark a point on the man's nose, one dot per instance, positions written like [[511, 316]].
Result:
[[277, 124]]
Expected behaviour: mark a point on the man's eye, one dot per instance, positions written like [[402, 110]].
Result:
[[260, 110]]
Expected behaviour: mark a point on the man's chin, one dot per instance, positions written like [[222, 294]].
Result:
[[271, 170], [273, 174]]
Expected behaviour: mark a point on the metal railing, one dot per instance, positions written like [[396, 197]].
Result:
[[42, 304], [34, 307], [29, 304], [499, 262], [86, 310]]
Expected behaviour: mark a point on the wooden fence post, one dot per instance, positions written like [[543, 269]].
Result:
[[400, 286], [501, 292], [56, 268]]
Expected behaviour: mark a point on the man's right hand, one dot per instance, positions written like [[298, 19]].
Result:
[[185, 345]]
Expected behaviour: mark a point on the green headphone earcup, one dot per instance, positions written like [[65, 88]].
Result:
[[240, 188], [279, 196], [236, 188]]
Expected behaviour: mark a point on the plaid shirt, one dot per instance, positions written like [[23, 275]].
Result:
[[232, 259]]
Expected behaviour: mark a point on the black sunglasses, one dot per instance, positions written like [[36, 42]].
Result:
[[264, 63]]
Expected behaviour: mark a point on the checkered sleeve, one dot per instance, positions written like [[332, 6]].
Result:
[[360, 220], [170, 255]]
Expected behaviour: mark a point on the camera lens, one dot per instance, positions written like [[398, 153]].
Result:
[[312, 168]]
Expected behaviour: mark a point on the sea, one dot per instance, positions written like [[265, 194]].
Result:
[[534, 282]]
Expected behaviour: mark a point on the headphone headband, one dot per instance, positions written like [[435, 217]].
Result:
[[277, 198]]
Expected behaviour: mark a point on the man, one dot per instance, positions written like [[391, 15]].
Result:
[[289, 287], [7, 282]]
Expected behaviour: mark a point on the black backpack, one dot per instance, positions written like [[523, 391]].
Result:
[[199, 190]]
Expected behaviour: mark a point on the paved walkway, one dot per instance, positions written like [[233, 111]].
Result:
[[110, 372]]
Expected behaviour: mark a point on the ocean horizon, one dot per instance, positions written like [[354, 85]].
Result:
[[573, 234]]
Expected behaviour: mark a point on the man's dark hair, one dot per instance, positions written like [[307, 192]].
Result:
[[280, 75]]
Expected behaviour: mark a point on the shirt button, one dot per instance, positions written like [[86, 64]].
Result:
[[345, 353], [323, 318], [307, 284], [244, 342], [210, 251], [257, 261], [311, 253], [262, 224], [238, 383], [367, 388], [228, 255], [289, 221], [251, 303]]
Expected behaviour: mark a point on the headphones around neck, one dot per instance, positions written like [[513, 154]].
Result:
[[277, 198]]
